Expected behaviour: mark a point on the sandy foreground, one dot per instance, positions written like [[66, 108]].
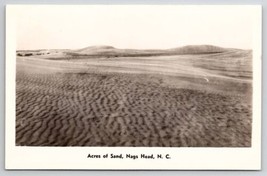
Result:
[[162, 101]]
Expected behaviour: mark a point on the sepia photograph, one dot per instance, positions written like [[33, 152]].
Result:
[[134, 77], [190, 96]]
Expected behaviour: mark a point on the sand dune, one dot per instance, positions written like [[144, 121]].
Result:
[[105, 51], [198, 49], [135, 101]]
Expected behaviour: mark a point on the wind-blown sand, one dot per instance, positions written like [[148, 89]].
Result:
[[200, 100]]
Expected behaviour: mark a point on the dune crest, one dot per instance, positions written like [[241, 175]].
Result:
[[198, 49], [95, 48]]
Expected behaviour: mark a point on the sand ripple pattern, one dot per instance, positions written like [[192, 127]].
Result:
[[72, 109]]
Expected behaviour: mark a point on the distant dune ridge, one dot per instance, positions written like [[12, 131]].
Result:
[[106, 50], [198, 49], [95, 48], [190, 49]]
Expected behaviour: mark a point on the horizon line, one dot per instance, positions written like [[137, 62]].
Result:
[[100, 45]]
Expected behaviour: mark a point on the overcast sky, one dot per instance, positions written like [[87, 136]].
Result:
[[140, 27]]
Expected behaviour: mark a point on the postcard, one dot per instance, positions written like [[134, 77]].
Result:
[[133, 87]]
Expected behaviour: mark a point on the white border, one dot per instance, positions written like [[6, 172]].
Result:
[[182, 158]]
